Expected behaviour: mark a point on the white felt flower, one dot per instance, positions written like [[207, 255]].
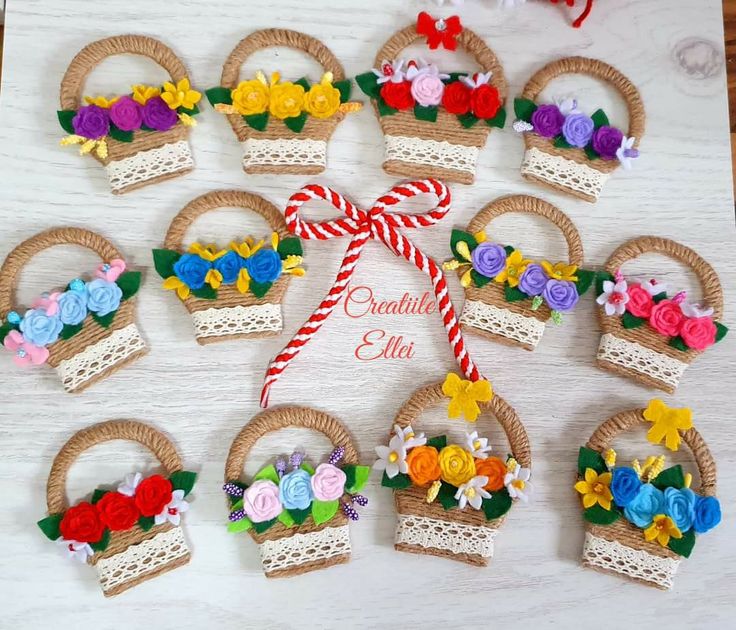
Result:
[[517, 483], [472, 492], [76, 550], [390, 71], [695, 311], [408, 437], [476, 80], [130, 483], [392, 458], [614, 297], [477, 446], [568, 106], [420, 67], [652, 287], [172, 512], [522, 126], [626, 153]]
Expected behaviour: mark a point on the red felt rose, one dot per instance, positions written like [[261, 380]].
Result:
[[667, 318], [698, 333], [640, 302], [456, 98], [398, 95], [82, 523], [118, 511], [152, 495], [485, 101]]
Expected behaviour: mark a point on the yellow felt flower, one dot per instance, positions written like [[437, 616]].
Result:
[[251, 97], [668, 422], [172, 283], [456, 465], [662, 529], [247, 248], [560, 271], [213, 278], [243, 282], [100, 101], [291, 265], [143, 93], [595, 489], [480, 237], [180, 95], [463, 250], [465, 395], [323, 99], [287, 99], [515, 266], [209, 252]]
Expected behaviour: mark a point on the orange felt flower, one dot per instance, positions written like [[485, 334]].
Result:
[[424, 466], [494, 468]]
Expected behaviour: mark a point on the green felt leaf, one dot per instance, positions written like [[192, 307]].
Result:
[[67, 332], [217, 95], [459, 235], [399, 482], [384, 109], [300, 516], [499, 120], [659, 297], [425, 113], [269, 472], [345, 88], [597, 515], [193, 111], [129, 283], [258, 121], [323, 511], [243, 525], [524, 108], [683, 546], [600, 278], [677, 342], [600, 119], [259, 289], [588, 458], [238, 504], [508, 249], [304, 83], [497, 505], [356, 477], [5, 329], [265, 525], [120, 135], [446, 496], [590, 153], [145, 127], [183, 480], [308, 467], [629, 321], [721, 331], [368, 83], [671, 477], [468, 120], [65, 117], [101, 544], [290, 246], [454, 76], [479, 279], [106, 320], [438, 442], [97, 495], [296, 123], [286, 519], [561, 143], [146, 522], [50, 526], [585, 279], [514, 294], [164, 260], [205, 293]]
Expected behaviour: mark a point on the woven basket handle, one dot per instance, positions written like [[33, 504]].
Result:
[[16, 259], [222, 199], [88, 437], [621, 422], [278, 37], [92, 54], [599, 70], [473, 44], [707, 276], [532, 205], [275, 419], [424, 398]]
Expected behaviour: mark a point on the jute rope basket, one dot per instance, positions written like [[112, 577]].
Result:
[[569, 170], [443, 149], [486, 311], [96, 351], [278, 149], [620, 547], [642, 353], [132, 556], [152, 156], [289, 551], [427, 528], [232, 315]]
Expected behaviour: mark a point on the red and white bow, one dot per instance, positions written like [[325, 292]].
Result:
[[362, 226]]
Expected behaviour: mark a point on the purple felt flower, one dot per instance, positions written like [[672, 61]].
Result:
[[560, 295], [533, 280], [606, 141], [91, 122], [158, 115], [578, 129], [489, 259], [126, 114], [548, 120]]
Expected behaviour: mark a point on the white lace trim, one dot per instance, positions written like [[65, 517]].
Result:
[[145, 165], [457, 538], [284, 152], [456, 157], [643, 360], [634, 563], [500, 321], [236, 320], [145, 557], [563, 172], [100, 357], [292, 551]]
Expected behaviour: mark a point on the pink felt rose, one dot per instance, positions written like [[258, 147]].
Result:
[[427, 89], [26, 354], [698, 333], [328, 482], [261, 501], [640, 301], [110, 271], [667, 318]]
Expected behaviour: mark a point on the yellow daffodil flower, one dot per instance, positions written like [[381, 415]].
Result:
[[291, 265], [243, 283], [100, 101], [187, 120], [247, 248], [323, 99], [662, 529], [465, 395], [287, 99], [213, 278], [515, 266], [560, 271], [180, 95], [172, 283], [668, 423], [609, 456], [208, 252], [251, 97], [143, 93], [595, 489]]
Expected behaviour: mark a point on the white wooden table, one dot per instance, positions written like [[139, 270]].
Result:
[[201, 396]]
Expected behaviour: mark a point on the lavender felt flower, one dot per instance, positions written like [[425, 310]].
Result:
[[548, 120], [158, 115], [91, 122], [578, 130], [126, 114], [489, 259], [533, 280], [560, 295], [607, 141]]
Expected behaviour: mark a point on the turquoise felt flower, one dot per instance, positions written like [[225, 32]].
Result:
[[648, 502], [229, 266], [295, 490], [707, 514], [679, 505], [39, 328], [103, 296], [264, 266]]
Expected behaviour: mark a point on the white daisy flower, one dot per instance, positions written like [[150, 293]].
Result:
[[392, 458], [477, 446], [472, 492]]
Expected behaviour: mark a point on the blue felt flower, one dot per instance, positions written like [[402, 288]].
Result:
[[73, 307], [103, 296], [295, 490], [229, 266], [625, 485], [264, 266], [39, 328], [192, 270], [648, 502], [707, 514], [679, 505]]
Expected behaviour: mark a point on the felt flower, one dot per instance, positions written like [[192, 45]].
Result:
[[517, 482], [643, 507], [679, 505], [143, 93], [666, 318], [607, 141], [153, 494], [478, 446], [228, 266], [173, 509], [118, 512], [209, 252], [567, 106], [251, 97], [707, 514], [82, 523], [653, 287], [456, 465], [397, 95], [110, 270], [625, 485], [323, 98], [578, 130], [442, 32], [698, 333], [695, 310], [427, 86], [92, 122], [126, 114], [103, 297], [614, 297], [472, 492], [73, 307], [594, 489], [26, 353], [248, 247], [180, 95], [295, 490], [547, 120], [158, 115], [533, 280], [48, 302], [465, 395], [264, 266], [485, 101], [327, 482], [192, 270], [494, 469], [456, 98], [290, 264], [76, 550], [407, 435], [40, 329], [560, 271], [560, 295], [515, 266], [424, 465], [130, 483], [626, 153], [286, 100], [662, 529], [101, 101], [667, 423], [488, 259], [640, 301], [261, 501], [392, 458], [389, 72]]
